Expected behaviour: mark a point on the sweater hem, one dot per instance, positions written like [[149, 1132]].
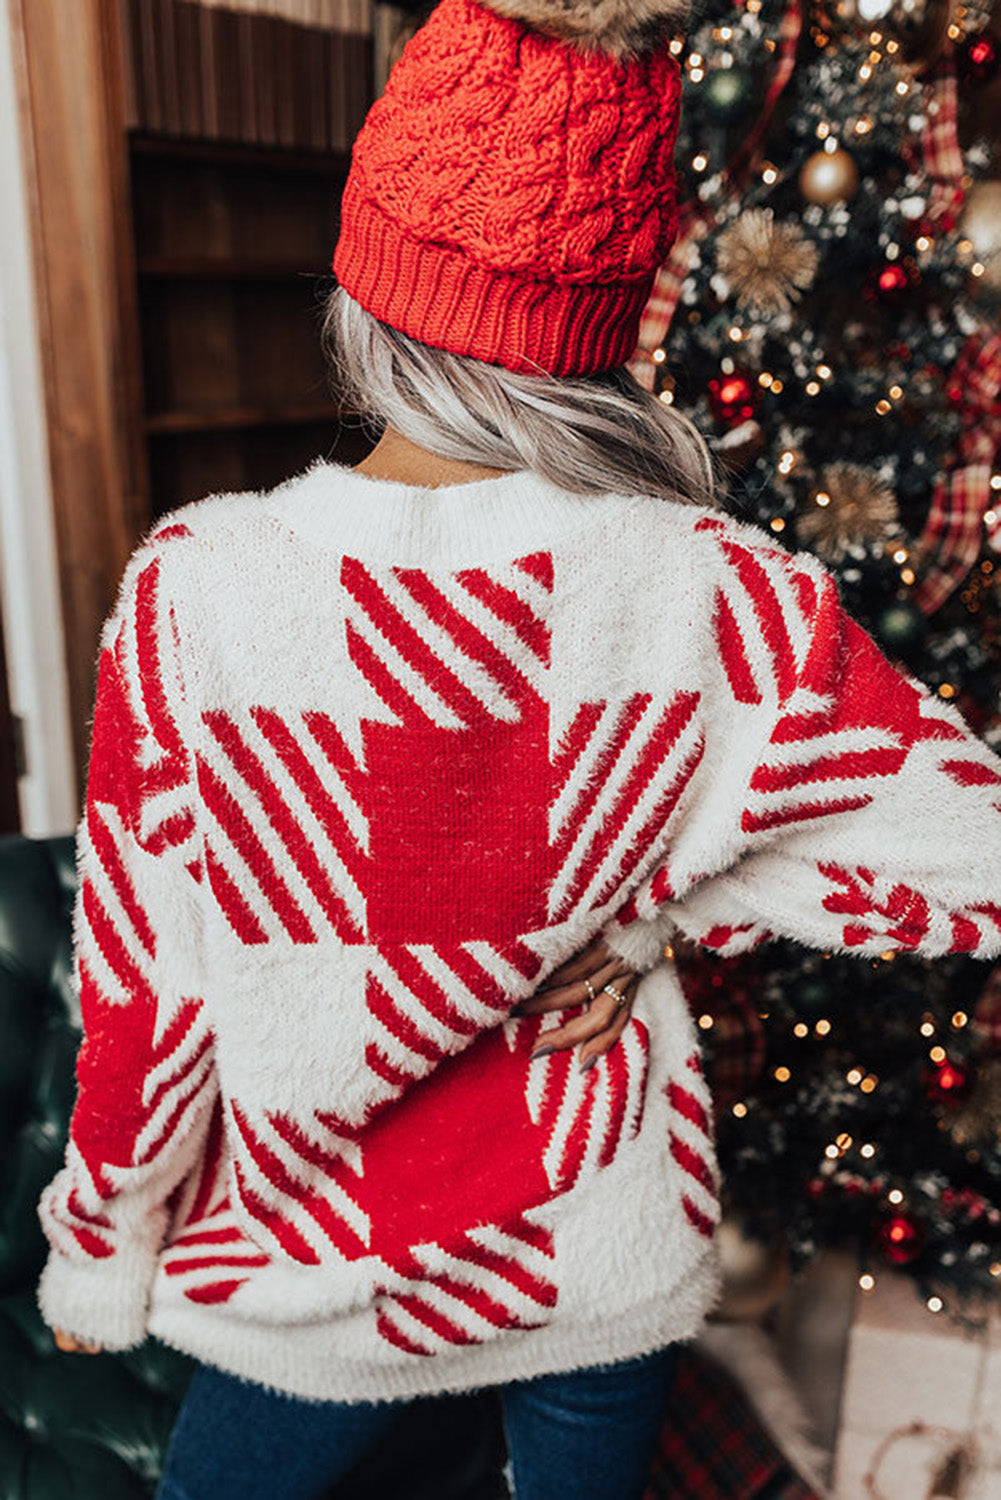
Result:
[[303, 1361]]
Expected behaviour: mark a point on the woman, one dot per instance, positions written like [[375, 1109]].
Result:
[[402, 779]]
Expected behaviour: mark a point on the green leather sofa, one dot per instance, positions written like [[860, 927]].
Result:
[[94, 1427]]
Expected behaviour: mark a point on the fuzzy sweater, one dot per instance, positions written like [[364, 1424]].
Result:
[[369, 761]]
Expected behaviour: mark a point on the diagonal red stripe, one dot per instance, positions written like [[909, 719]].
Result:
[[382, 682], [629, 715], [510, 609], [617, 1074], [418, 655], [696, 1217], [329, 816], [215, 1291], [882, 760], [275, 1170], [732, 653], [397, 1023], [691, 1162], [672, 722], [688, 1106], [507, 676], [249, 766], [509, 1268], [776, 817], [413, 975], [539, 565], [422, 1312], [768, 609], [109, 855], [645, 836], [575, 1145], [573, 745], [231, 818], [393, 1335], [239, 915]]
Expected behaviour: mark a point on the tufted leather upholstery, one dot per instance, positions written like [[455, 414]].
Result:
[[95, 1427]]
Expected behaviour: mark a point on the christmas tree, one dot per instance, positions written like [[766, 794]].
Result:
[[829, 319]]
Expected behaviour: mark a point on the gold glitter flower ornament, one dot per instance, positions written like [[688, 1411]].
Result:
[[767, 265]]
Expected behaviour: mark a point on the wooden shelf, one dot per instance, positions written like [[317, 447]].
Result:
[[207, 268], [230, 419], [255, 158]]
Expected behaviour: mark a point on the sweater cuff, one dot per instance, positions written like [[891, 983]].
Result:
[[99, 1301], [640, 943]]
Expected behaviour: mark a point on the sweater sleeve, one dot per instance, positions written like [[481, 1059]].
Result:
[[145, 1070], [845, 806]]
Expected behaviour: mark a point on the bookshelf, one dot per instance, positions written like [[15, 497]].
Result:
[[239, 128]]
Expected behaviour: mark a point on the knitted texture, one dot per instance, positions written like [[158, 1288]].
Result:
[[367, 765], [510, 196]]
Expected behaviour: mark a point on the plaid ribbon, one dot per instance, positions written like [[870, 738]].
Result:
[[950, 542], [696, 219], [940, 150], [713, 1446]]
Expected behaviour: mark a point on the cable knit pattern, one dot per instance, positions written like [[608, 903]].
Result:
[[511, 197], [368, 763]]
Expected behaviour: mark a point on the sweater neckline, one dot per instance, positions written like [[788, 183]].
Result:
[[331, 505]]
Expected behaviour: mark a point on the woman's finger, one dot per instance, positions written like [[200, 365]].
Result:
[[574, 993], [582, 1028], [605, 1040], [72, 1345]]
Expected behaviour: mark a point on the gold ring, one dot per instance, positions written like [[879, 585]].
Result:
[[591, 997], [617, 995]]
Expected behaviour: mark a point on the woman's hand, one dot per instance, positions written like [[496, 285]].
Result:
[[604, 1020], [73, 1345]]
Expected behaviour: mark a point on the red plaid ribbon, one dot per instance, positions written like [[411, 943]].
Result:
[[713, 1446], [940, 149], [696, 219], [950, 543]]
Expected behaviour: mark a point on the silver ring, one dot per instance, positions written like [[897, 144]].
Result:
[[617, 995], [591, 996]]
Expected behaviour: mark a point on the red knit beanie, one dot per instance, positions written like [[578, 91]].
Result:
[[512, 192]]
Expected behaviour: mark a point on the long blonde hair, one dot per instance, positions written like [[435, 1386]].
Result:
[[591, 435]]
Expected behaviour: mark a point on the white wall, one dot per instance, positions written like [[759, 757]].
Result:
[[29, 585]]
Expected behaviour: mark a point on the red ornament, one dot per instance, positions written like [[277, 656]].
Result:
[[980, 58], [733, 398], [946, 1083], [900, 1239], [892, 281]]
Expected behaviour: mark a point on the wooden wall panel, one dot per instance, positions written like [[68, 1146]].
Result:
[[71, 101]]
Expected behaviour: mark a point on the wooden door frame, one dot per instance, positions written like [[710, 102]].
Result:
[[69, 69]]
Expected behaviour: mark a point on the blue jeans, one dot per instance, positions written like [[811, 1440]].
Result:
[[590, 1434]]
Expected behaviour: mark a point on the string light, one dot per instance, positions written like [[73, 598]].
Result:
[[935, 1304], [843, 1141], [959, 1018], [937, 1054], [769, 174], [895, 1196], [927, 1028], [892, 46], [659, 356], [822, 1028], [907, 575], [900, 556], [736, 334], [923, 242], [696, 75], [946, 690], [831, 1152], [787, 462], [700, 162], [896, 391], [977, 269], [903, 88], [862, 127], [825, 372], [866, 1281], [868, 1083], [782, 1074], [777, 523], [996, 481], [667, 397], [706, 1022], [996, 1268], [801, 1029], [777, 386], [882, 407], [740, 1109], [813, 387], [764, 378], [823, 130], [868, 1150], [854, 1075]]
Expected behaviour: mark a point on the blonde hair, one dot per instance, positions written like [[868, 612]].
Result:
[[591, 435]]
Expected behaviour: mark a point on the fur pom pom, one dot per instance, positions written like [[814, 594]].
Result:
[[624, 28]]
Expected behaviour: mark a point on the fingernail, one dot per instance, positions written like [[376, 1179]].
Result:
[[542, 1051], [589, 1064]]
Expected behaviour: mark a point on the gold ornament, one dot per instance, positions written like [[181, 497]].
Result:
[[829, 177], [978, 1122], [980, 223], [755, 1272], [768, 265], [852, 505]]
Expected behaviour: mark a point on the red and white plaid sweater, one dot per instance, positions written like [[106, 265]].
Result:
[[368, 763]]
